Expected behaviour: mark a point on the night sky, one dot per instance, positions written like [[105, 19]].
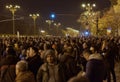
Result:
[[67, 11]]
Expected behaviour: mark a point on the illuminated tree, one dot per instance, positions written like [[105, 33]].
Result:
[[110, 20], [113, 2]]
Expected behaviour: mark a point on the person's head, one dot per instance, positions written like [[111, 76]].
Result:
[[93, 49], [50, 56], [85, 45], [33, 51], [86, 54], [21, 66], [11, 51], [46, 46], [66, 45]]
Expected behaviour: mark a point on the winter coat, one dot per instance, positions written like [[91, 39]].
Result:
[[47, 73], [95, 68], [70, 63], [7, 69], [34, 63], [25, 77]]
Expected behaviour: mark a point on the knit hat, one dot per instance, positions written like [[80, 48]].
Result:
[[49, 52]]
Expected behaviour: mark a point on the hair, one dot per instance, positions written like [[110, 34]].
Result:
[[47, 46], [11, 51], [22, 66], [34, 48]]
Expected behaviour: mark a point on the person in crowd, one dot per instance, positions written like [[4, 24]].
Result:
[[23, 54], [69, 60], [51, 70], [82, 60], [95, 67], [7, 65], [22, 72], [109, 50], [46, 47], [34, 60], [76, 49]]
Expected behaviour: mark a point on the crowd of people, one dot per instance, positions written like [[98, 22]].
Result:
[[58, 59]]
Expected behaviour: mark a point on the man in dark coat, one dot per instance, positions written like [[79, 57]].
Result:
[[68, 59], [34, 60], [95, 68]]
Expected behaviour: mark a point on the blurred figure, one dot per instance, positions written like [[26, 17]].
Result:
[[46, 47], [109, 50], [51, 70], [22, 73], [95, 68], [23, 54], [7, 65], [69, 60], [34, 60]]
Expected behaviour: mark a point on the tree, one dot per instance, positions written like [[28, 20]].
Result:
[[111, 20], [113, 2]]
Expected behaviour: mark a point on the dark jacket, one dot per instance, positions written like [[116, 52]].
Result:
[[25, 77], [8, 68], [70, 63], [34, 63], [95, 68]]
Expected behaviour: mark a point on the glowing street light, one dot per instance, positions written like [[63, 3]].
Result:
[[57, 25], [13, 9], [49, 22], [89, 13], [42, 31], [88, 6], [34, 17]]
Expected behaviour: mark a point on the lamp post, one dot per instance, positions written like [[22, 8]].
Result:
[[89, 7], [89, 13], [13, 9], [57, 25], [34, 17], [49, 22]]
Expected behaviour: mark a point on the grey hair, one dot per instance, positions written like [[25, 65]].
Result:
[[22, 65]]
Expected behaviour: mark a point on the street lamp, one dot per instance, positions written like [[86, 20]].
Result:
[[34, 17], [49, 22], [88, 6], [13, 9], [89, 13], [57, 25]]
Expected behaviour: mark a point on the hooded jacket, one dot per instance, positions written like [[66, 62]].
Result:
[[95, 68], [48, 73]]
